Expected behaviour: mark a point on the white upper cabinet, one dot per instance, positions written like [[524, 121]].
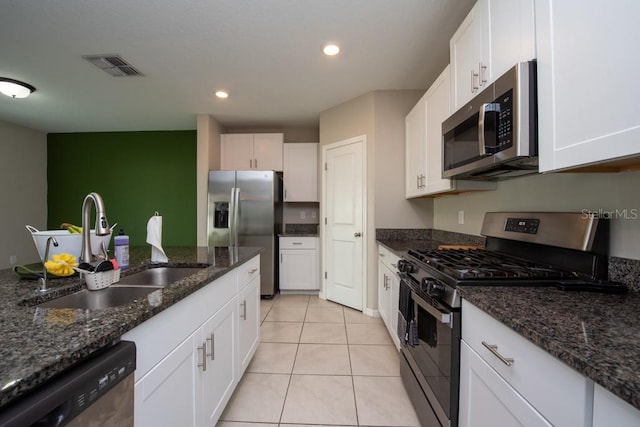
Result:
[[423, 144], [587, 82], [301, 172], [260, 151], [493, 38]]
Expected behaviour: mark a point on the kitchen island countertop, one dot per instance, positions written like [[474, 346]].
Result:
[[38, 343]]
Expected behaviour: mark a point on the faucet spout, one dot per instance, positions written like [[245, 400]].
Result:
[[102, 225], [44, 281]]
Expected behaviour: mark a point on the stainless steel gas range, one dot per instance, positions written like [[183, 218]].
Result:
[[562, 250]]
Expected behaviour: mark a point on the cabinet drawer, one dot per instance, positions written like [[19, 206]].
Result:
[[247, 271], [298, 242], [388, 258], [540, 378]]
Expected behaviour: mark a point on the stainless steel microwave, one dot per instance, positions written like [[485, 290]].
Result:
[[494, 136]]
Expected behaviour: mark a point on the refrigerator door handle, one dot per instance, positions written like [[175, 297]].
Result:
[[232, 210], [235, 215]]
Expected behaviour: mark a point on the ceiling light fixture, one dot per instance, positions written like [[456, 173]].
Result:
[[15, 88], [222, 94], [331, 49]]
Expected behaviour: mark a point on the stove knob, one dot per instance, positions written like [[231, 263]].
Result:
[[433, 287], [405, 266]]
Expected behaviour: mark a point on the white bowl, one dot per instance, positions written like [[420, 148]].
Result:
[[68, 243]]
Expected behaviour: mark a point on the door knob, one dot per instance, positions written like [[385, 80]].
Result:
[[357, 234]]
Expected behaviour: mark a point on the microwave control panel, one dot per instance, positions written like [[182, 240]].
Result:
[[505, 120]]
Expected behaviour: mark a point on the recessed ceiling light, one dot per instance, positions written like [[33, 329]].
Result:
[[222, 94], [331, 49]]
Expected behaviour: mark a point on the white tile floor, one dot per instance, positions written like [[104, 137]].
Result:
[[320, 364]]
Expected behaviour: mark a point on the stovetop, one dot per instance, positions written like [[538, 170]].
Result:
[[464, 264]]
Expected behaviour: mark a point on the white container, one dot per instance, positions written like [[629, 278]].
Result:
[[101, 279], [68, 243]]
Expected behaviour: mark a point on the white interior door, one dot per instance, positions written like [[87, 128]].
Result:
[[344, 214]]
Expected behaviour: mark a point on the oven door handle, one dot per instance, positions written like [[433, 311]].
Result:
[[440, 316]]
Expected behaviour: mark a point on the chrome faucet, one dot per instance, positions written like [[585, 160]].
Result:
[[102, 226], [44, 281]]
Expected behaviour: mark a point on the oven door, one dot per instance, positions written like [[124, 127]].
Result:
[[434, 358]]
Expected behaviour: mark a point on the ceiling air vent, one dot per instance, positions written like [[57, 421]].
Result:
[[113, 65]]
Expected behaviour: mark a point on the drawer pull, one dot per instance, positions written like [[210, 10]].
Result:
[[212, 338], [203, 365], [253, 270], [296, 243], [494, 350]]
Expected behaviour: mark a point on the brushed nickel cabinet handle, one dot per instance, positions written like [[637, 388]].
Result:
[[481, 72], [244, 310], [203, 365], [212, 338], [253, 270], [494, 350], [357, 234]]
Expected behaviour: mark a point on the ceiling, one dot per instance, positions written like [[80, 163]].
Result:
[[266, 53]]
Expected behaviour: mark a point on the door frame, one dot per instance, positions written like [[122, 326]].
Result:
[[362, 139]]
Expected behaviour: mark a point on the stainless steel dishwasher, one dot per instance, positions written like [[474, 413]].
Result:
[[98, 392]]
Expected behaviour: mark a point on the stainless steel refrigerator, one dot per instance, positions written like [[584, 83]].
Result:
[[245, 209]]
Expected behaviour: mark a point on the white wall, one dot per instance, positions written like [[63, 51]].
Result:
[[23, 193], [207, 158], [570, 192], [379, 115]]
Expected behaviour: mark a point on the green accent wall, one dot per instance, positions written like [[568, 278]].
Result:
[[136, 173]]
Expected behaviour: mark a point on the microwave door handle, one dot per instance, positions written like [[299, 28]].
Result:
[[484, 108]]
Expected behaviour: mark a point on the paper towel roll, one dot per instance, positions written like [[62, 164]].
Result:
[[154, 238]]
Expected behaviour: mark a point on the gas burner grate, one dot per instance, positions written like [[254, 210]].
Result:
[[464, 264]]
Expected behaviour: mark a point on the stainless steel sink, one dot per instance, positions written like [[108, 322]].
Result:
[[159, 276], [128, 289], [94, 300]]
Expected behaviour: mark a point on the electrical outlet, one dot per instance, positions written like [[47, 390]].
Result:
[[13, 259], [303, 215], [460, 217]]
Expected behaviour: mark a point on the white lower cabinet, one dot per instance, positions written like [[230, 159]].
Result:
[[486, 399], [388, 291], [507, 380], [248, 323], [156, 401], [299, 264], [217, 363], [610, 410], [190, 357]]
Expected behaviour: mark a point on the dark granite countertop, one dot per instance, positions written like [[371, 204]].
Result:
[[400, 246], [38, 343], [596, 334]]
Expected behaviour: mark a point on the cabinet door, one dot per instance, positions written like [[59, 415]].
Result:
[[487, 400], [510, 37], [236, 151], [437, 109], [394, 302], [301, 172], [384, 294], [298, 269], [219, 371], [587, 83], [248, 324], [465, 55], [166, 395], [267, 151], [610, 410], [415, 149]]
